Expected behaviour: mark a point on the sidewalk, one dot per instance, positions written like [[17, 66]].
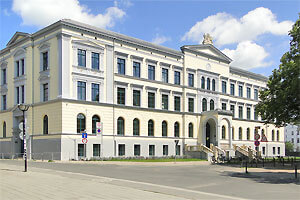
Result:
[[49, 184]]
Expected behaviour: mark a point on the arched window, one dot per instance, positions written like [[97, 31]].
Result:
[[248, 133], [80, 123], [150, 128], [136, 126], [176, 129], [208, 83], [232, 134], [211, 105], [240, 133], [223, 132], [203, 82], [213, 85], [191, 130], [45, 125], [4, 129], [204, 104], [95, 119], [164, 126], [273, 135], [120, 126], [277, 135]]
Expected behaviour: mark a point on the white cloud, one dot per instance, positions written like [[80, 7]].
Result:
[[160, 39], [226, 29], [44, 12], [248, 55]]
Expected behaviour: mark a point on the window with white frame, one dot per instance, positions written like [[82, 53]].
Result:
[[45, 92], [165, 75], [95, 92], [81, 90]]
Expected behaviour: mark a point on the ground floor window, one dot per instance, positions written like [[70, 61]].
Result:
[[81, 150], [278, 149], [165, 150], [121, 149], [264, 150], [274, 151], [177, 150], [151, 150], [96, 150], [137, 150]]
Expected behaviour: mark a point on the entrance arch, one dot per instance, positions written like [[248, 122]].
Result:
[[210, 132]]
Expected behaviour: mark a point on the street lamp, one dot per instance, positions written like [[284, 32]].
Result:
[[24, 108]]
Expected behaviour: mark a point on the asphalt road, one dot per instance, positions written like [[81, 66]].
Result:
[[210, 179]]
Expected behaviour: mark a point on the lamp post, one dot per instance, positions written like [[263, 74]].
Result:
[[24, 108]]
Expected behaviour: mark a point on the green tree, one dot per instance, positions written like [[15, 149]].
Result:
[[289, 147], [280, 102]]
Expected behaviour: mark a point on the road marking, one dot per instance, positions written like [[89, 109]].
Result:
[[109, 179]]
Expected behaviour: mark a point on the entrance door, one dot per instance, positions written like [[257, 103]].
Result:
[[207, 135]]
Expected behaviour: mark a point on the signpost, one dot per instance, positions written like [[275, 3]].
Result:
[[84, 141], [176, 144], [99, 126]]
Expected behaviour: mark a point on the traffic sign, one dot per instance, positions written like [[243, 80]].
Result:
[[256, 143], [256, 136], [99, 126], [264, 139], [21, 136], [84, 140], [84, 135]]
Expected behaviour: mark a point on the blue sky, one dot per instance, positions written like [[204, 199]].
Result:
[[252, 33]]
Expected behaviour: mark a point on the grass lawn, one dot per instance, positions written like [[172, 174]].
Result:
[[158, 160]]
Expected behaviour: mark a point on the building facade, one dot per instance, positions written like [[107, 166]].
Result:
[[292, 134], [147, 96]]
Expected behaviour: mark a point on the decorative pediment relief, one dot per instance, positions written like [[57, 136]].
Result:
[[17, 36], [19, 51], [44, 45], [3, 89], [3, 65], [87, 43], [44, 76]]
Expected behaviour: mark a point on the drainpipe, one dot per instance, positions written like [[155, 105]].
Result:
[[32, 99], [183, 115], [113, 90]]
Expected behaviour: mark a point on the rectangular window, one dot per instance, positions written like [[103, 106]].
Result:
[[121, 148], [240, 91], [95, 61], [278, 150], [177, 103], [136, 69], [121, 96], [232, 89], [17, 68], [22, 67], [224, 89], [248, 93], [241, 112], [136, 98], [81, 90], [248, 113], [18, 95], [176, 77], [151, 72], [191, 104], [3, 76], [255, 115], [165, 150], [232, 110], [81, 58], [177, 150], [137, 150], [121, 66], [264, 150], [4, 102], [96, 150], [23, 94], [151, 150], [45, 60], [224, 106], [95, 92], [191, 80], [165, 75], [274, 151], [81, 150], [151, 100], [165, 102], [255, 94], [45, 92]]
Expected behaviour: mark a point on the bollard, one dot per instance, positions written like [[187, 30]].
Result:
[[296, 171], [263, 162], [246, 167]]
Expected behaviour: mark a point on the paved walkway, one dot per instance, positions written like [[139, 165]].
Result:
[[49, 184]]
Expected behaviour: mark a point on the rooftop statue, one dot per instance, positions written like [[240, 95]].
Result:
[[207, 39]]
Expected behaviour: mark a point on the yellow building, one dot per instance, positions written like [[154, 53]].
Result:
[[147, 96]]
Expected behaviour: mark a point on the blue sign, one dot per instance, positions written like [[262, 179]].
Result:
[[99, 130], [84, 135]]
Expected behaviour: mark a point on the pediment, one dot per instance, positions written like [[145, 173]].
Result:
[[17, 36], [209, 51], [88, 43]]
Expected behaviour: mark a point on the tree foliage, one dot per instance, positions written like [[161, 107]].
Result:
[[289, 147], [280, 102]]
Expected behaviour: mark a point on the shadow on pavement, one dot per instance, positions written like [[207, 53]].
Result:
[[266, 177]]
